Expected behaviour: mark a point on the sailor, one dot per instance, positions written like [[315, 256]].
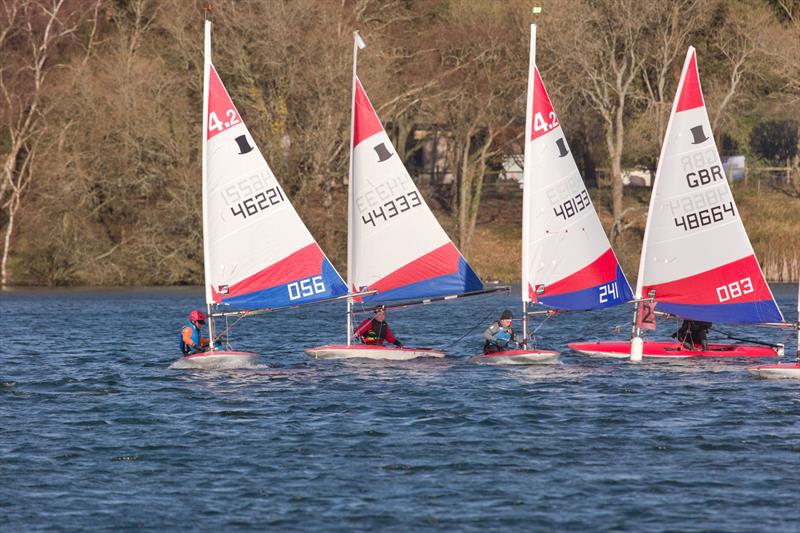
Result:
[[376, 330], [191, 339], [498, 336], [692, 333]]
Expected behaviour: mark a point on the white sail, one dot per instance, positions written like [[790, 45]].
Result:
[[398, 247], [258, 252], [696, 258], [570, 263]]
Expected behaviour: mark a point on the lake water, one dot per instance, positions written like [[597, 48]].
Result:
[[98, 433]]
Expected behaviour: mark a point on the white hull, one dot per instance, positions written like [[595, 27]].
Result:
[[361, 351], [780, 371], [217, 360], [517, 357], [612, 355]]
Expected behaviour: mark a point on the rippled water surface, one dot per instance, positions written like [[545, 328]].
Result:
[[98, 433]]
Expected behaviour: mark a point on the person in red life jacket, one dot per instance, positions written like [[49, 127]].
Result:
[[191, 339], [376, 330]]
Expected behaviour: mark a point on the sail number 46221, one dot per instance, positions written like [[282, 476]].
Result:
[[734, 290], [306, 287], [540, 124]]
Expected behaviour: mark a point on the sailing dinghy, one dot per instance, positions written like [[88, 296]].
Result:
[[567, 260], [697, 262], [258, 254], [396, 248], [782, 370]]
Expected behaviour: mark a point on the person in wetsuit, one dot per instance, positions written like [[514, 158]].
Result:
[[376, 330], [499, 334], [693, 332]]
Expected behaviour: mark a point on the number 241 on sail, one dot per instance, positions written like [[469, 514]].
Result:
[[611, 290]]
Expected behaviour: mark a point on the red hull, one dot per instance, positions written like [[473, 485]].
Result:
[[671, 350]]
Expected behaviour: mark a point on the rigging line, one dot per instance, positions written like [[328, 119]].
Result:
[[754, 341], [483, 321]]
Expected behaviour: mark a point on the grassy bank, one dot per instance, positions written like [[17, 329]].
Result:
[[772, 220]]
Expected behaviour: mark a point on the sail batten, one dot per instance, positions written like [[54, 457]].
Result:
[[697, 261]]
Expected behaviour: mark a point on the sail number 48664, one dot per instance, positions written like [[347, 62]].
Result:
[[306, 287], [734, 290]]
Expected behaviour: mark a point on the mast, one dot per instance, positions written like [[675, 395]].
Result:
[[798, 322], [526, 178], [358, 43], [206, 235], [637, 344]]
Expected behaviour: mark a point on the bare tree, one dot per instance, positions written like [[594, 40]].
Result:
[[31, 36], [612, 38]]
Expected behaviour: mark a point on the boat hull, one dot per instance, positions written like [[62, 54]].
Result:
[[218, 359], [516, 357], [776, 371], [670, 350], [366, 351]]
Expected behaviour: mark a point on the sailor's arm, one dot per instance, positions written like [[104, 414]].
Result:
[[362, 328], [490, 332], [186, 335]]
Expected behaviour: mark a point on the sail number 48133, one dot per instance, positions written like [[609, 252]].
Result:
[[734, 290], [306, 287]]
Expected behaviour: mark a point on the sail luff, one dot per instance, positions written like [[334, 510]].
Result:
[[526, 188], [206, 236], [349, 332], [204, 174], [656, 180]]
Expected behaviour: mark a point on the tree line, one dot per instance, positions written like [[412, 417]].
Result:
[[101, 103]]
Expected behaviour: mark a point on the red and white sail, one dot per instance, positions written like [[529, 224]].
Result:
[[398, 247], [696, 258], [258, 253], [569, 263]]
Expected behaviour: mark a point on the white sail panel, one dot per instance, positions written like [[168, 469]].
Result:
[[398, 247], [696, 257], [260, 252], [570, 261]]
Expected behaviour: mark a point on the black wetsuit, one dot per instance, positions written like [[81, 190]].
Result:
[[693, 332]]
